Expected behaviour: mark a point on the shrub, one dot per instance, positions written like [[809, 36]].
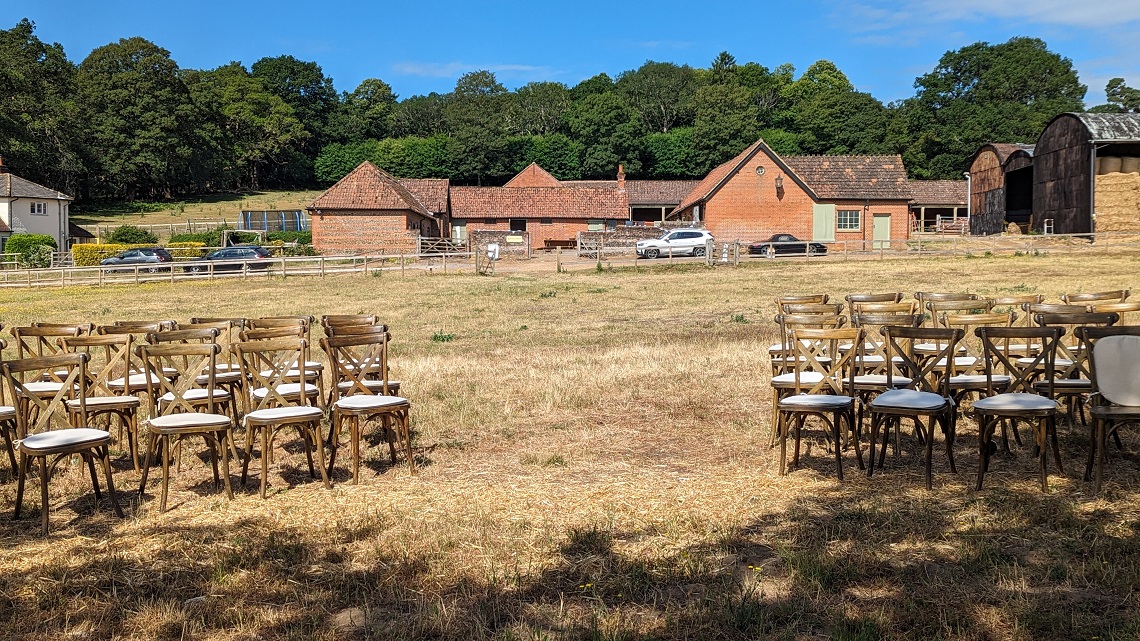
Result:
[[185, 249], [299, 237], [131, 235], [213, 238], [23, 244], [88, 254], [38, 257]]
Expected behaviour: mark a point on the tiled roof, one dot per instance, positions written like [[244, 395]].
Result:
[[4, 228], [369, 188], [431, 192], [658, 192], [938, 192], [718, 175], [12, 186], [538, 202], [600, 184], [533, 176], [852, 177]]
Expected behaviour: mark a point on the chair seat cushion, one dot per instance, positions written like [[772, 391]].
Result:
[[979, 380], [188, 420], [41, 388], [220, 377], [197, 395], [1065, 385], [880, 381], [7, 412], [371, 384], [789, 379], [134, 380], [46, 442], [959, 361], [908, 399], [368, 401], [816, 401], [1060, 363], [1015, 402], [283, 413], [95, 402], [286, 390]]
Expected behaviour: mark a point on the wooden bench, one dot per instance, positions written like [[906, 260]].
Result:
[[552, 244]]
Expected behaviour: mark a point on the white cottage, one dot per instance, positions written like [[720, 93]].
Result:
[[28, 208]]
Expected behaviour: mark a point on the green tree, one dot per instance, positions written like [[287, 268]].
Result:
[[538, 109], [723, 68], [982, 93], [364, 113], [419, 116], [1121, 97], [600, 83], [305, 88], [767, 88], [672, 155], [726, 121], [39, 122], [139, 119], [608, 130], [661, 93], [476, 118]]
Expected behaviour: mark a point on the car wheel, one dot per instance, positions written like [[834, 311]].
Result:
[[652, 252], [196, 269], [698, 251], [770, 251], [811, 250], [152, 270]]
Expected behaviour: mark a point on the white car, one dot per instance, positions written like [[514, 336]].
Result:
[[679, 242]]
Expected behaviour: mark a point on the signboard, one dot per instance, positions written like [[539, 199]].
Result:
[[514, 239]]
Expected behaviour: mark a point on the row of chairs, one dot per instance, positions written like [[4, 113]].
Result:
[[200, 380], [965, 370]]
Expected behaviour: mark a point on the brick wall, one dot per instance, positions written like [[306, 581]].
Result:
[[557, 229], [748, 208], [364, 231]]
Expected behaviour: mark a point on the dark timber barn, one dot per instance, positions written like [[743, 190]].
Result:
[[1001, 187], [1071, 152]]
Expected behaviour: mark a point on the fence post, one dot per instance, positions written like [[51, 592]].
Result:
[[322, 266], [445, 262], [401, 264], [558, 260], [136, 274]]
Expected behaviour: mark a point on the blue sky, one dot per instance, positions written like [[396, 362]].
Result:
[[419, 47]]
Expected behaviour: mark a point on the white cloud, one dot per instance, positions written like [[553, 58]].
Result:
[[885, 15]]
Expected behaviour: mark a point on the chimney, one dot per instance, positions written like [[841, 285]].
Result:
[[3, 169], [621, 178]]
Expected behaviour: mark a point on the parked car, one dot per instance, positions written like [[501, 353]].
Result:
[[232, 258], [679, 242], [786, 244], [150, 259]]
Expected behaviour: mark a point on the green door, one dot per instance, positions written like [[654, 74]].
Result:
[[881, 231], [823, 223]]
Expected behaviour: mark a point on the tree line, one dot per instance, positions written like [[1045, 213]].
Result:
[[127, 122]]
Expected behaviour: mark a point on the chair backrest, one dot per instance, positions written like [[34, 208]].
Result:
[[832, 309], [269, 364], [356, 358], [228, 330], [1113, 296], [281, 322], [1034, 309], [1018, 303], [176, 369], [40, 409], [343, 330], [925, 297], [195, 335], [108, 358], [971, 343], [818, 350], [1114, 362], [1003, 355], [783, 359], [937, 308], [147, 325], [888, 297], [238, 323], [799, 299], [34, 342], [336, 320], [266, 333], [903, 307], [84, 328], [875, 359], [1128, 310], [1069, 350], [928, 371]]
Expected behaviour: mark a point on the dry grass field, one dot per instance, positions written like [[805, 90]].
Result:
[[213, 207], [593, 464]]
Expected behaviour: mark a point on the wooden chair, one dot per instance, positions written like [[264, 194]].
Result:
[[1114, 366], [782, 357], [351, 358], [228, 383], [134, 383], [35, 341], [372, 375], [855, 299], [1019, 400], [970, 376], [34, 418], [1113, 296], [1071, 383], [277, 400], [871, 368], [906, 308], [817, 352], [927, 395], [181, 408], [1018, 303], [8, 427], [108, 358], [799, 299]]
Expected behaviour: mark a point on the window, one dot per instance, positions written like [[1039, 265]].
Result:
[[595, 224], [38, 209], [546, 221], [611, 225], [459, 231], [490, 221], [847, 219], [518, 224]]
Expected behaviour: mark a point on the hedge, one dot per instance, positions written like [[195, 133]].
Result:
[[130, 234], [185, 249], [27, 249], [88, 254], [299, 237], [213, 238]]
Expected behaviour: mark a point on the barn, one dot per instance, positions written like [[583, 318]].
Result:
[[1086, 173], [1001, 187]]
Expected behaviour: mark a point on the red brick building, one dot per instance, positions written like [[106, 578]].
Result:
[[859, 199], [370, 211]]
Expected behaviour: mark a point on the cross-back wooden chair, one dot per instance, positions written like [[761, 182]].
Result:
[[1071, 382], [133, 384], [799, 299], [970, 377], [926, 396], [832, 309], [372, 376], [855, 299], [8, 421], [871, 369], [279, 400], [228, 383], [298, 327], [37, 413], [827, 395], [1114, 365], [782, 357], [1129, 311], [1084, 298], [108, 358], [904, 307], [34, 341], [180, 408], [1017, 399], [357, 400], [1018, 303]]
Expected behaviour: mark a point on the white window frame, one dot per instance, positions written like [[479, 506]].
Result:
[[38, 208], [843, 223], [595, 224]]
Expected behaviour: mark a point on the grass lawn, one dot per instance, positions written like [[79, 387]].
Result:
[[593, 464], [213, 207]]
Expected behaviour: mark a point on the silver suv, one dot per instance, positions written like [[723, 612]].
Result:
[[679, 242]]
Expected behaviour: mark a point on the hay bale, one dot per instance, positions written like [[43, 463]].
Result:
[[1130, 164], [1118, 202], [1110, 165], [1013, 229]]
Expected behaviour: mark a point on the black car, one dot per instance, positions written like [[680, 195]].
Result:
[[149, 259], [233, 258], [786, 244]]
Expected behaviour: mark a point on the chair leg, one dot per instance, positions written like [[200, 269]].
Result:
[[929, 455], [43, 495], [334, 435], [105, 454], [250, 432], [1052, 427], [354, 447], [1042, 446], [800, 419], [872, 440], [405, 420], [152, 443], [265, 445], [165, 471], [1101, 444], [782, 429], [949, 433], [315, 433], [225, 436], [983, 448], [774, 435], [11, 449], [838, 451], [87, 458], [856, 436], [305, 431], [210, 443]]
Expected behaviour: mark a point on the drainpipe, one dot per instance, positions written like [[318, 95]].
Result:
[[969, 197]]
